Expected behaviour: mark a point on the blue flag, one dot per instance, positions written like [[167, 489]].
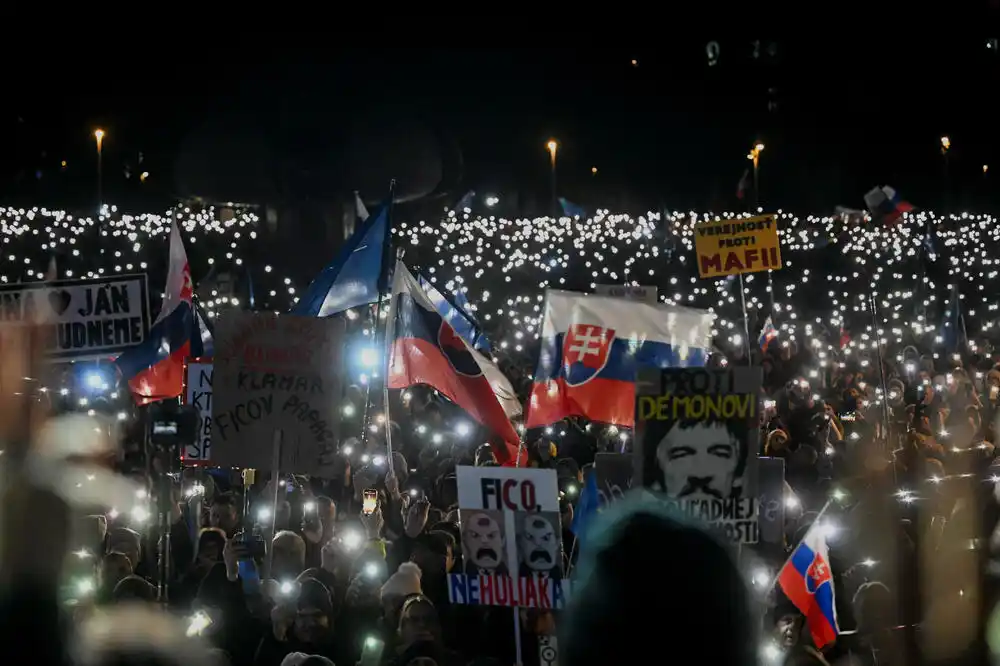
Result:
[[352, 278], [461, 321], [587, 506], [570, 209], [953, 325]]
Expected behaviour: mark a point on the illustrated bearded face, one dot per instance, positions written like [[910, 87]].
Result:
[[538, 544], [483, 541], [699, 461]]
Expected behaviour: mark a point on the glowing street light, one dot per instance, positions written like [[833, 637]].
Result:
[[553, 147], [99, 138]]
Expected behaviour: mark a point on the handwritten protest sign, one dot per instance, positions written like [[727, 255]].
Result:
[[730, 247], [511, 539], [645, 294], [276, 372], [198, 394], [696, 442], [614, 476], [86, 318]]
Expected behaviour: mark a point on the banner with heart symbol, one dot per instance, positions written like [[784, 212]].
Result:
[[94, 318]]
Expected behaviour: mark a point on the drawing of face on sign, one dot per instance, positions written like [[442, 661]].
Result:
[[698, 459], [539, 545], [483, 542]]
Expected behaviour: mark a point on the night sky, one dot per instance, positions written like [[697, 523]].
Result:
[[298, 124]]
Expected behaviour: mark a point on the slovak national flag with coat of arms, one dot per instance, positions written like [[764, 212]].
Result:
[[592, 347], [426, 350], [807, 581]]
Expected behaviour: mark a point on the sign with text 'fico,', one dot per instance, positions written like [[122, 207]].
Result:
[[511, 539], [277, 372], [198, 394], [85, 318], [731, 247]]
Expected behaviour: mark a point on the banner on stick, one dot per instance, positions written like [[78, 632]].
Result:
[[730, 247], [86, 318], [511, 539], [277, 372], [198, 394], [697, 438]]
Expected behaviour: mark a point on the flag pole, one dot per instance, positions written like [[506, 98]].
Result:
[[390, 335], [819, 516], [384, 289]]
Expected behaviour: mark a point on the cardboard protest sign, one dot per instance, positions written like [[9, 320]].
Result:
[[87, 318], [198, 394], [277, 372], [629, 293], [730, 247], [511, 539], [696, 443], [614, 476]]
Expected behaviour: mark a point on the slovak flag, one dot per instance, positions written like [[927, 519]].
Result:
[[768, 333], [426, 350], [592, 347], [885, 205], [155, 369], [807, 581]]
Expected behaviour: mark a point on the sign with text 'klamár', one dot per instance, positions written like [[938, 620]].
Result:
[[731, 247], [198, 394], [84, 318], [511, 539], [277, 372]]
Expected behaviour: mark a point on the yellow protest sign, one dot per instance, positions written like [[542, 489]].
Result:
[[730, 247]]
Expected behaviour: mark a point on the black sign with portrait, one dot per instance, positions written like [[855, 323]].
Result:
[[697, 437]]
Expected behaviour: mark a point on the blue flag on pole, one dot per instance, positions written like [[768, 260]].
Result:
[[352, 278], [587, 506], [953, 325], [461, 321], [570, 209]]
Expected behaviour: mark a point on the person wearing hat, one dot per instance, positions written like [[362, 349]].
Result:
[[302, 621]]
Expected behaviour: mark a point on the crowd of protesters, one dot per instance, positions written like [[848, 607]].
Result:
[[898, 445]]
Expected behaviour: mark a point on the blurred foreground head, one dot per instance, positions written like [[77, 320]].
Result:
[[650, 577], [140, 637]]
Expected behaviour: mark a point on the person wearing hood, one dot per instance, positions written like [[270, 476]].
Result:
[[640, 552]]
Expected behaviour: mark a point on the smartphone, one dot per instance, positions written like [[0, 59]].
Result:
[[371, 653], [370, 501], [849, 417], [310, 517], [249, 578]]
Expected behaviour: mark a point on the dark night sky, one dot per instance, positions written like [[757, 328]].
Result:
[[849, 115]]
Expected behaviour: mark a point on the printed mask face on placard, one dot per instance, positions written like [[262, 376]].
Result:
[[482, 540], [698, 461], [538, 544]]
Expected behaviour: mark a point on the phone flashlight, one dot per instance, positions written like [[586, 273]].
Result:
[[371, 570], [370, 501], [287, 588], [198, 623], [414, 492], [85, 586], [263, 514], [309, 507], [351, 540]]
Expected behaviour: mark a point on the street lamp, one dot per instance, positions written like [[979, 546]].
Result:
[[553, 147], [754, 156], [99, 137]]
